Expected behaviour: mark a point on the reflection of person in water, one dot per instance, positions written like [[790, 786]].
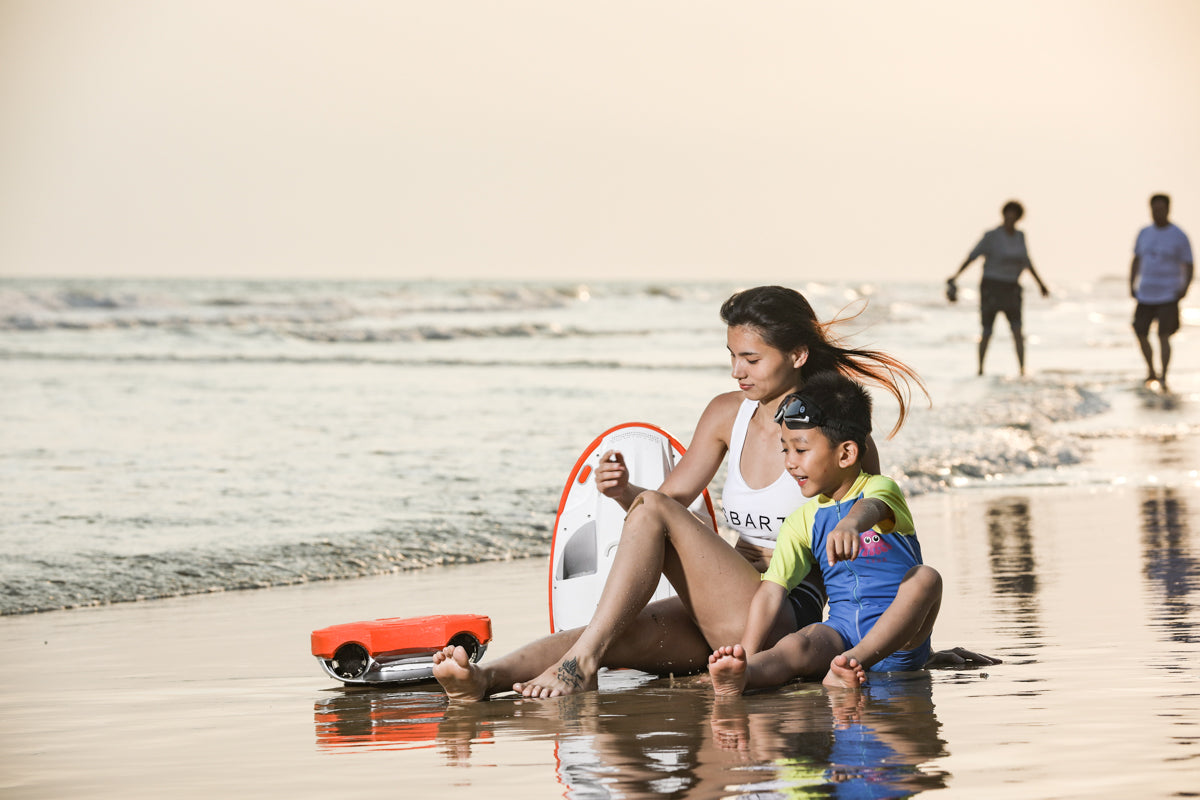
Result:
[[1170, 566], [670, 738], [1005, 257], [1014, 565], [867, 744]]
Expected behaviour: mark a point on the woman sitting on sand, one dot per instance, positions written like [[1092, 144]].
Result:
[[775, 343]]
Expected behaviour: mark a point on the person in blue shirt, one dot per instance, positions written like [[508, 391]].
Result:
[[1159, 277], [883, 600]]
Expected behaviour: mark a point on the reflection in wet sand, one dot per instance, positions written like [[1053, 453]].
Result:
[[1047, 579], [1013, 565], [877, 743], [1171, 570], [673, 738]]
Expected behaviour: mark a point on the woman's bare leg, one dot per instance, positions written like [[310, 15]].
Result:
[[663, 638], [660, 537], [466, 681]]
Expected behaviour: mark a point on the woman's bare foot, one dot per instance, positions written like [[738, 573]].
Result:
[[570, 675], [461, 679], [727, 667], [845, 673]]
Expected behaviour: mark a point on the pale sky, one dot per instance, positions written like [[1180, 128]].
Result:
[[787, 141]]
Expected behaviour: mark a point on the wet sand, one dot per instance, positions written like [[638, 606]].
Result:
[[1092, 597]]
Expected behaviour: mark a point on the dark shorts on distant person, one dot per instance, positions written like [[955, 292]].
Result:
[[996, 296], [1167, 315]]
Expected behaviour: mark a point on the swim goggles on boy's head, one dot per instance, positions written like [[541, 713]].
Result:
[[797, 412]]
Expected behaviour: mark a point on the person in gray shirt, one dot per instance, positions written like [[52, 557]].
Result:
[[1005, 257]]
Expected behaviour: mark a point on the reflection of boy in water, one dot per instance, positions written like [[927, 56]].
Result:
[[882, 600], [876, 743], [882, 739]]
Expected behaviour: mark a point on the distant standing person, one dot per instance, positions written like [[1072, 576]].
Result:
[[1158, 279], [1004, 259]]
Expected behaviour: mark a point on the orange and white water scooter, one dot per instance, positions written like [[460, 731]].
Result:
[[396, 650]]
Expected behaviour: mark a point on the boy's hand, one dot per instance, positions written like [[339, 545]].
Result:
[[842, 544]]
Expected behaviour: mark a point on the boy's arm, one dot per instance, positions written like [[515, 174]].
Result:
[[843, 541], [765, 606]]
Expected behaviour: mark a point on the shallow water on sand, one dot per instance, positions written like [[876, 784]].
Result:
[[1096, 618], [1091, 595]]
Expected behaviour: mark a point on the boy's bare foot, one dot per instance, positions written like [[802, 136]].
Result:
[[727, 667], [845, 673], [568, 676], [461, 679]]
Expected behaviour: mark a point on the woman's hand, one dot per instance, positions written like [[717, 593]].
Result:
[[759, 557], [612, 476]]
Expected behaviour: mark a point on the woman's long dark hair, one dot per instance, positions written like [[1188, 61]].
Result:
[[787, 322]]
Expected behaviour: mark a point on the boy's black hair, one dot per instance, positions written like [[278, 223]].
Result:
[[844, 407]]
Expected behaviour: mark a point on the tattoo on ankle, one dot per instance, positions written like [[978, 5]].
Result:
[[568, 673]]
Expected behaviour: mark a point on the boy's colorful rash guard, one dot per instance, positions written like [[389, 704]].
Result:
[[871, 579]]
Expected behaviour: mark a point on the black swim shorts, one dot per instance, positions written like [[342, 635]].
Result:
[[808, 604], [996, 296], [1167, 315]]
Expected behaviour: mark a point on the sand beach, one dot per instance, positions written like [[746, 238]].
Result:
[[306, 310], [1089, 595]]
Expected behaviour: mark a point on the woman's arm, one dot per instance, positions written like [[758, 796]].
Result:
[[696, 466]]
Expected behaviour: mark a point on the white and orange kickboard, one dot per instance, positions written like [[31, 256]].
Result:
[[588, 527]]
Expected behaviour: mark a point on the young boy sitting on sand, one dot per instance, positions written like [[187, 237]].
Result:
[[882, 600]]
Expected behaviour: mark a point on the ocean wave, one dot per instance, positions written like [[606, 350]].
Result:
[[90, 579], [431, 333], [46, 305], [346, 359], [1015, 428]]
